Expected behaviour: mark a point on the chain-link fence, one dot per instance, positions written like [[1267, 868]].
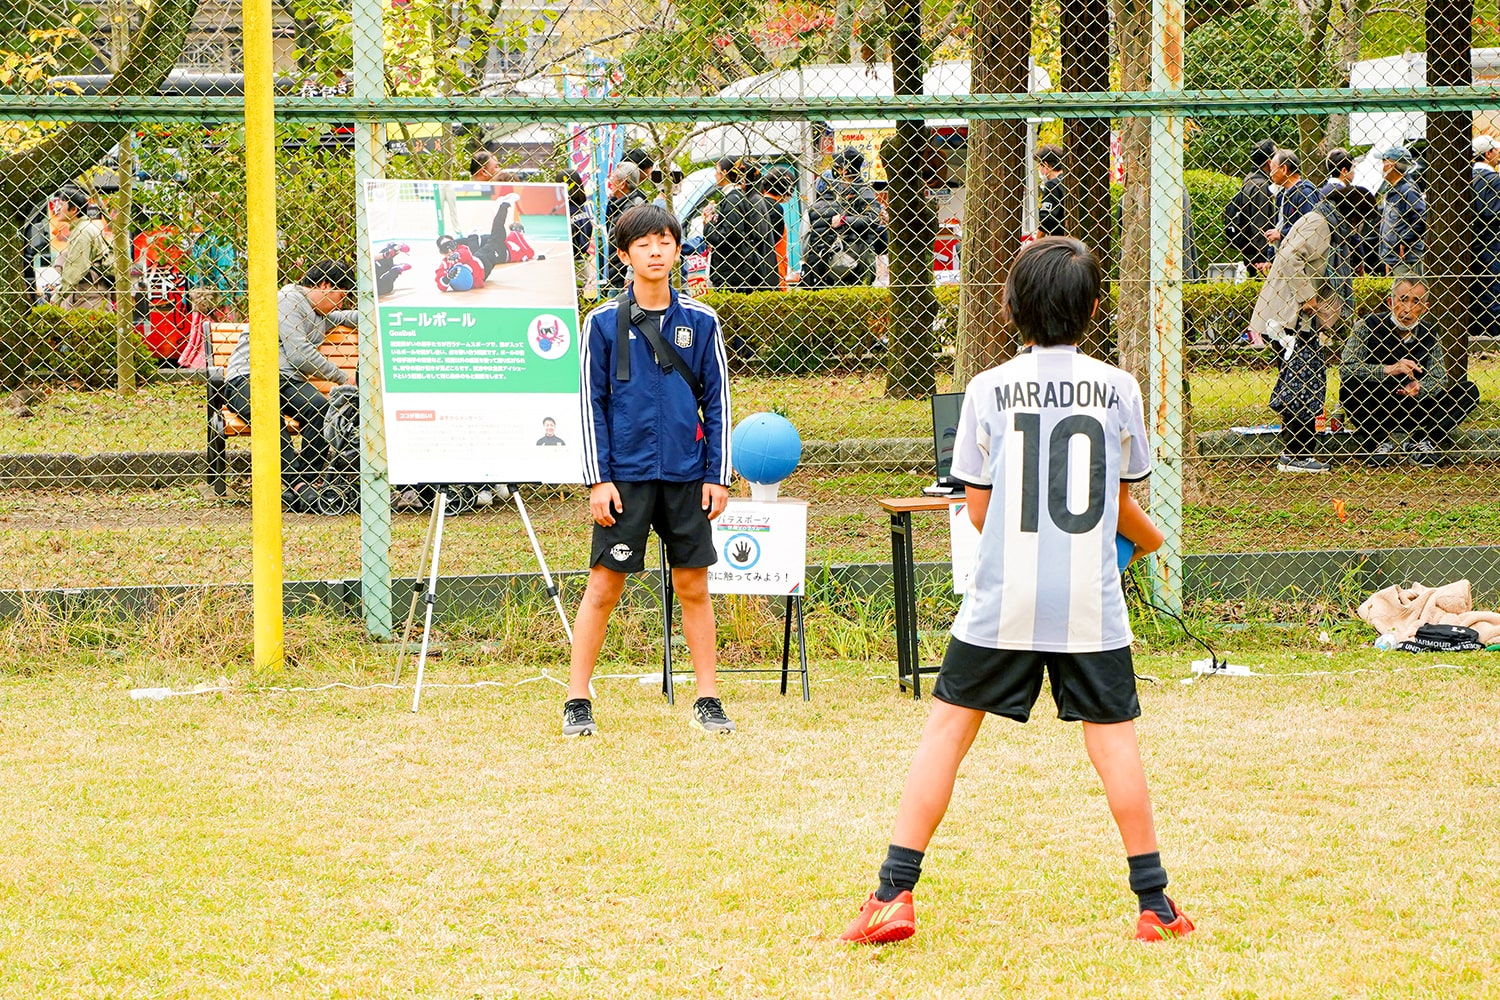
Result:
[[1295, 202]]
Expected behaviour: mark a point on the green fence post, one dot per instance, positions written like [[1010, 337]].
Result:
[[374, 483], [1165, 419]]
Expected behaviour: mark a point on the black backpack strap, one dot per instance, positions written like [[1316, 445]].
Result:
[[628, 314], [622, 336]]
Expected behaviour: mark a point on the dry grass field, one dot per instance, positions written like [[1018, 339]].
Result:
[[1333, 835]]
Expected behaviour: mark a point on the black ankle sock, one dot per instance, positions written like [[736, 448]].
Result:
[[1148, 879], [899, 873]]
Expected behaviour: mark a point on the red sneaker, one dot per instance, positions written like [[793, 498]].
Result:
[[882, 923], [1150, 928]]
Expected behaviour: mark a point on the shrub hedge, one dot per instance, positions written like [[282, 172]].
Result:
[[786, 333], [56, 345], [808, 332]]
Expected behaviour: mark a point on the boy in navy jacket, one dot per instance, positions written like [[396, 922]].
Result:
[[656, 454]]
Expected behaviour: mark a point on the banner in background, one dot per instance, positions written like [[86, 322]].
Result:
[[479, 354]]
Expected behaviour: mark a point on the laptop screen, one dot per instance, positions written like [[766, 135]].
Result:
[[945, 410]]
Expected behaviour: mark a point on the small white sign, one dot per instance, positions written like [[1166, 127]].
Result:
[[762, 548], [963, 544]]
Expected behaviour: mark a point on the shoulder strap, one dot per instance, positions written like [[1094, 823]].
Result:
[[627, 314], [622, 336]]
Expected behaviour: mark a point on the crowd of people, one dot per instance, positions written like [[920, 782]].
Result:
[[179, 278], [1308, 242]]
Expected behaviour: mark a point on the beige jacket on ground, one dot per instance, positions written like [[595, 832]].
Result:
[[1402, 609], [1301, 256]]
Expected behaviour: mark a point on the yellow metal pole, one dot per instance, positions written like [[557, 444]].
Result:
[[265, 389]]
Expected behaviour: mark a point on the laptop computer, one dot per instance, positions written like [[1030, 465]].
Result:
[[945, 410]]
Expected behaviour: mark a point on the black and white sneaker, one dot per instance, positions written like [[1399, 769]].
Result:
[[708, 715], [1423, 452], [578, 717], [1384, 454]]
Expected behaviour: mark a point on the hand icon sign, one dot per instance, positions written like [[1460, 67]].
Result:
[[741, 552]]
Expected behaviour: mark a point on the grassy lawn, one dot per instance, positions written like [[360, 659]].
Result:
[[1331, 835], [176, 536], [169, 416]]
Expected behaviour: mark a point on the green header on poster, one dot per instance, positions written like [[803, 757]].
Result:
[[467, 350]]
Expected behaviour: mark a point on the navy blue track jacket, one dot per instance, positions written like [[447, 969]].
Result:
[[648, 428]]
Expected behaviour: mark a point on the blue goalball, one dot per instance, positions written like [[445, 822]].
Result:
[[766, 448], [1124, 551]]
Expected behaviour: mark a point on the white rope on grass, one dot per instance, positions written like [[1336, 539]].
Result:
[[1202, 668]]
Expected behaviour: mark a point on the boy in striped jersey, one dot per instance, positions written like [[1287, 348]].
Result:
[[1047, 446]]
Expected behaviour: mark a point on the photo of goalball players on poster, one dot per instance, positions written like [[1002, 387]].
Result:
[[478, 325]]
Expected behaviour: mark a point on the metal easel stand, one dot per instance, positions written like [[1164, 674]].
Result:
[[429, 596], [793, 604]]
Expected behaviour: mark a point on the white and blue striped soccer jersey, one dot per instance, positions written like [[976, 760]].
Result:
[[1053, 432]]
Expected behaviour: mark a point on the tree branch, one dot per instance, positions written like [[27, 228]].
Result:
[[27, 177]]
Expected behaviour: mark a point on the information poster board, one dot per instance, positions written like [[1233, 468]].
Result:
[[762, 548], [478, 333], [963, 544]]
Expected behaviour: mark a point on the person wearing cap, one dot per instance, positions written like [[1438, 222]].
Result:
[[84, 261], [1403, 215], [1252, 211], [1485, 200], [843, 226], [304, 314]]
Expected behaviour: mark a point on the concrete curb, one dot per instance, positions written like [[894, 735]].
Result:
[[159, 469]]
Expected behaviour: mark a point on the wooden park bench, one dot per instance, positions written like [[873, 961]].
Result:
[[341, 346]]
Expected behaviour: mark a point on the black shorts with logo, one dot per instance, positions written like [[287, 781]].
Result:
[[675, 510], [1087, 687]]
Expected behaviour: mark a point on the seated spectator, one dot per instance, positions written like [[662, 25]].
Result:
[[1393, 382], [305, 313]]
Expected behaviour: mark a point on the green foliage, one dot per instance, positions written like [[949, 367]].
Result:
[[1208, 193], [315, 209], [1256, 49], [806, 332], [75, 346]]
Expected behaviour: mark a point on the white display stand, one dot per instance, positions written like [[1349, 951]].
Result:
[[762, 549], [480, 382]]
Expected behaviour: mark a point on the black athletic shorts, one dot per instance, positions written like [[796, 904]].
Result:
[[675, 510], [1087, 687]]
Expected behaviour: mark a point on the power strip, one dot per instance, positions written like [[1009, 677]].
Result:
[[1224, 667]]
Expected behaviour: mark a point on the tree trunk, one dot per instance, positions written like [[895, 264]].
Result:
[[1085, 69], [1133, 309], [29, 177], [995, 186], [1448, 261], [1346, 44], [125, 339], [1310, 62], [912, 220]]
